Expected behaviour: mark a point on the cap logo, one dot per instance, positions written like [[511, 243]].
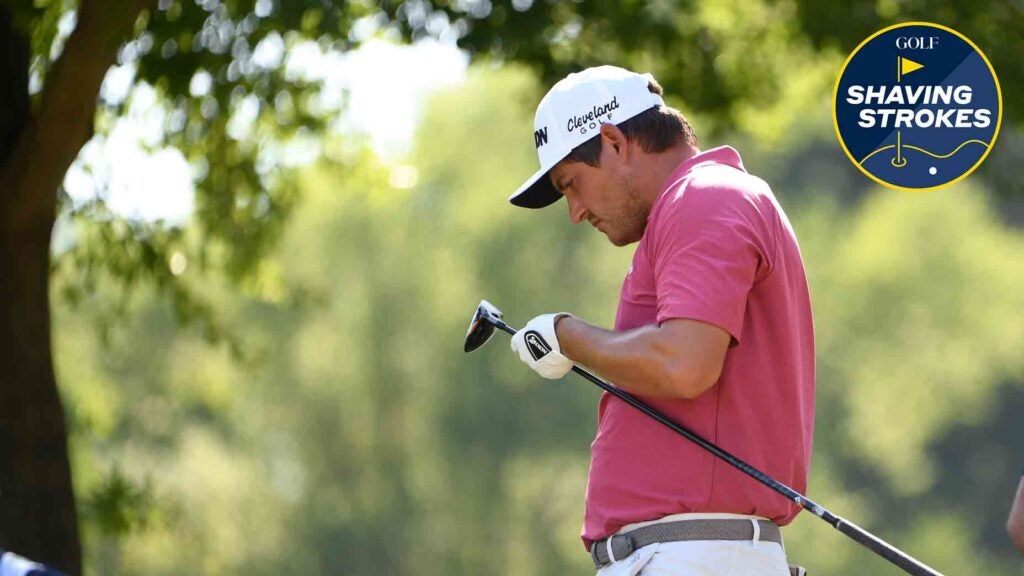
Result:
[[591, 119], [536, 344], [540, 137]]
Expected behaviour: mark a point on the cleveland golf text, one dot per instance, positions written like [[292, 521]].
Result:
[[589, 119]]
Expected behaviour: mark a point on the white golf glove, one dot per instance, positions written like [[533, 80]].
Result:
[[537, 345]]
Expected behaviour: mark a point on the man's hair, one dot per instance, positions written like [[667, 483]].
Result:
[[656, 130]]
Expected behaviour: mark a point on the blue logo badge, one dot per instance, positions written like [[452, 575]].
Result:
[[917, 106]]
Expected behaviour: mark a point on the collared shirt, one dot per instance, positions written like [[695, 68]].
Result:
[[719, 249]]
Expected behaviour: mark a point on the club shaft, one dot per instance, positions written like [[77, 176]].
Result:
[[865, 538]]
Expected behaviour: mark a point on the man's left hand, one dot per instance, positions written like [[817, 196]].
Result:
[[537, 346]]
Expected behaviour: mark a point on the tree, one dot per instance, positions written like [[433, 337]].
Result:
[[241, 203], [38, 515]]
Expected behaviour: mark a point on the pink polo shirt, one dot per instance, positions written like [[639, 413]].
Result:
[[717, 248]]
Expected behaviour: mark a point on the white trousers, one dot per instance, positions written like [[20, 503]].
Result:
[[702, 557]]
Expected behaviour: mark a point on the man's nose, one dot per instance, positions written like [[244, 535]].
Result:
[[577, 212]]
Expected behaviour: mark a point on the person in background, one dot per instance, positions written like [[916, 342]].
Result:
[[1015, 523], [13, 565]]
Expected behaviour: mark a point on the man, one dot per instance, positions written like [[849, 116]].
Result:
[[713, 329]]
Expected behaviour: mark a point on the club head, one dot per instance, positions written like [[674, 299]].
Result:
[[481, 328]]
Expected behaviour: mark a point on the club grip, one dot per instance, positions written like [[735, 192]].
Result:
[[908, 564]]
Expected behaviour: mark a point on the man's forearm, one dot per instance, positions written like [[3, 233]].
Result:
[[640, 361]]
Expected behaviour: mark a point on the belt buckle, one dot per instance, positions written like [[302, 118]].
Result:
[[609, 544], [630, 545]]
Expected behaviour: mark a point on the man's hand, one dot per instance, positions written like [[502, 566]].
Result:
[[537, 346]]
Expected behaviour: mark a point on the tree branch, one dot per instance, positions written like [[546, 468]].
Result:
[[63, 122]]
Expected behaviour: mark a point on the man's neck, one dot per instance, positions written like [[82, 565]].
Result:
[[659, 167]]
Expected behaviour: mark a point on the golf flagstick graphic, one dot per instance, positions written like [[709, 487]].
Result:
[[487, 317], [903, 66], [906, 66]]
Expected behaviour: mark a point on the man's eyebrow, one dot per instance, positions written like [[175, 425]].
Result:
[[558, 183]]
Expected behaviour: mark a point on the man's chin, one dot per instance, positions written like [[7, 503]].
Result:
[[620, 240]]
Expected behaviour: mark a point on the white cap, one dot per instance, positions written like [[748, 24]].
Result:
[[572, 112]]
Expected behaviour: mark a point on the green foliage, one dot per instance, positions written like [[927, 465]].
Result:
[[756, 67], [728, 61], [926, 314], [911, 294], [994, 25], [119, 506]]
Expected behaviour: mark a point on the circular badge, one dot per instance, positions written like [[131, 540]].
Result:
[[917, 106]]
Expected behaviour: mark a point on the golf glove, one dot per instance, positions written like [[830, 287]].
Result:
[[537, 345]]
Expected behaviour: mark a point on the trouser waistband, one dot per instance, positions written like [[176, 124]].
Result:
[[619, 546]]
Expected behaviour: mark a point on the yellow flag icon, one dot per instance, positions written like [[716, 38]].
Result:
[[907, 66]]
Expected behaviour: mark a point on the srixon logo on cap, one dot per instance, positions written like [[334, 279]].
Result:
[[537, 345], [540, 137]]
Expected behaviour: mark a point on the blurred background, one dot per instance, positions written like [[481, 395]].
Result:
[[242, 240]]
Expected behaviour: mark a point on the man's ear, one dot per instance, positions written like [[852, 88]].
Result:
[[614, 139]]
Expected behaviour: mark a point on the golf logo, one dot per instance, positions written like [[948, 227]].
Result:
[[917, 106], [536, 344], [592, 119]]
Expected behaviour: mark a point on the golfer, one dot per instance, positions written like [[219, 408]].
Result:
[[713, 329]]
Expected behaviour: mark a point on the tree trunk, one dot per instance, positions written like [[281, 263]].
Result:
[[37, 504]]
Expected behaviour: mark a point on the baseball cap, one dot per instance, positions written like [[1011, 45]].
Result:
[[572, 112]]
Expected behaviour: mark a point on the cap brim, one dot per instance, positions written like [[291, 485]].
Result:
[[537, 192]]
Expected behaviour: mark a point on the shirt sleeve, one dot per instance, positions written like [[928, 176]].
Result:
[[706, 256]]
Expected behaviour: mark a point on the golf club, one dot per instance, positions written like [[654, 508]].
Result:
[[487, 317]]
